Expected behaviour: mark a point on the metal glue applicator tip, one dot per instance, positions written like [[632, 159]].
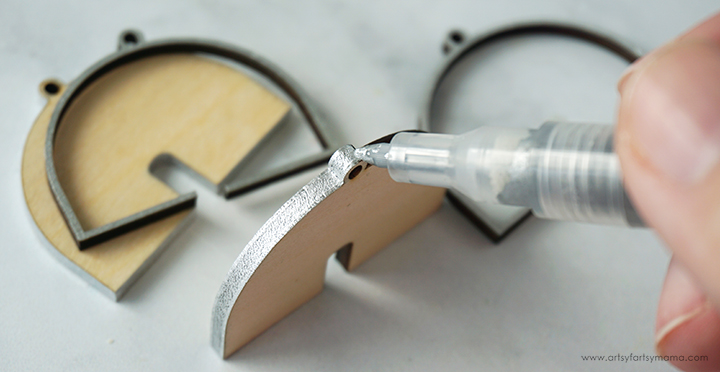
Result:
[[374, 154]]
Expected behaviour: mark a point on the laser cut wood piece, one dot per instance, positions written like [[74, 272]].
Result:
[[254, 106], [203, 113], [351, 208]]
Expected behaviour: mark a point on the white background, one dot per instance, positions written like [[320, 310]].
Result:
[[441, 297]]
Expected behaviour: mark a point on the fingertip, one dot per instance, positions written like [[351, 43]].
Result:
[[680, 296], [668, 143], [708, 29], [688, 326], [692, 342]]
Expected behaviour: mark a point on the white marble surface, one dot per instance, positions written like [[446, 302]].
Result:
[[440, 298]]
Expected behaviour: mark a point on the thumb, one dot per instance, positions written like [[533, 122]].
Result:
[[668, 142]]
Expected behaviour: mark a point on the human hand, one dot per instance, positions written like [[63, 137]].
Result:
[[668, 142]]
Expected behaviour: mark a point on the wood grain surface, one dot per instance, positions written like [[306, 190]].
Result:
[[202, 112]]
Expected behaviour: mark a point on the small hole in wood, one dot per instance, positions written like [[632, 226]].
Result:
[[457, 37], [51, 88], [354, 173], [130, 38]]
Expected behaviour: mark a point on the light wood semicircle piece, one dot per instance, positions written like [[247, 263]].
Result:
[[351, 208], [202, 112]]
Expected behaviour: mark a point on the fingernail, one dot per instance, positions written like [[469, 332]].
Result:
[[699, 336], [635, 66], [681, 301], [663, 336], [674, 112], [626, 76]]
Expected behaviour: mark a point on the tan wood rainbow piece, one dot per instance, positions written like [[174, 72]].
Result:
[[351, 208], [201, 112]]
